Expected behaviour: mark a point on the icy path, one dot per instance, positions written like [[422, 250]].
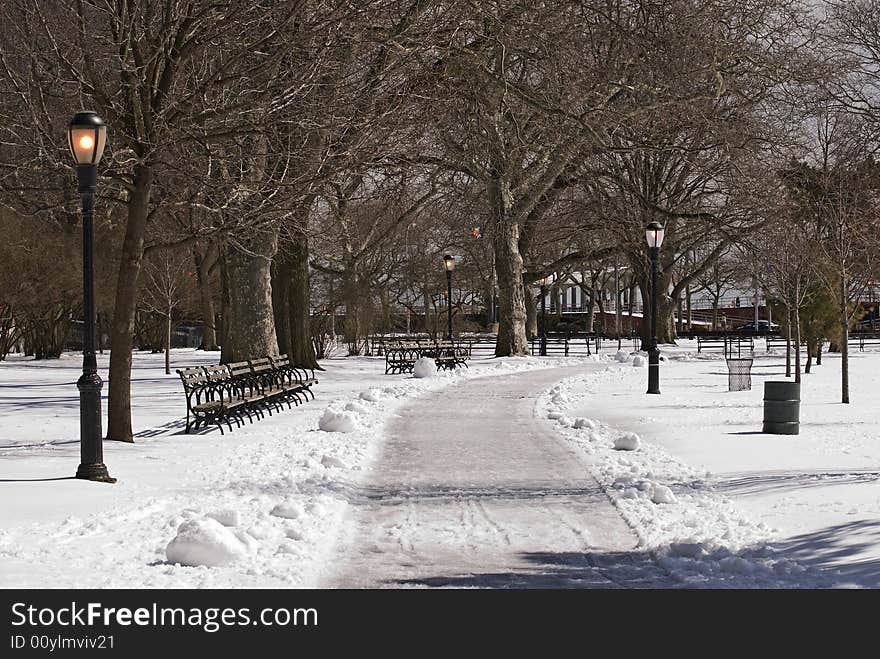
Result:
[[472, 490]]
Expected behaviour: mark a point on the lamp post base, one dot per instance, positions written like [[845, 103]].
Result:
[[94, 472], [653, 372]]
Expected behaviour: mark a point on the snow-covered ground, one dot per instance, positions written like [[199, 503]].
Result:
[[257, 507], [712, 500], [717, 501]]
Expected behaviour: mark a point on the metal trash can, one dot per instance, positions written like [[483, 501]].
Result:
[[782, 404], [739, 373]]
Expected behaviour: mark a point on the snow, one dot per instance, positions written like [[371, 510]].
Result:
[[711, 501], [739, 508], [289, 509], [627, 441], [338, 421], [662, 494], [621, 356], [371, 395], [227, 516], [638, 361], [207, 542], [69, 533], [424, 368]]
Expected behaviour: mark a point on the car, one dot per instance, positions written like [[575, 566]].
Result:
[[763, 326]]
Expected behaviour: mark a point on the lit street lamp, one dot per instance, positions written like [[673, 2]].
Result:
[[654, 235], [86, 136], [449, 264], [543, 349]]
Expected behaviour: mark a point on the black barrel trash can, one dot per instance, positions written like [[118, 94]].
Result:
[[782, 404]]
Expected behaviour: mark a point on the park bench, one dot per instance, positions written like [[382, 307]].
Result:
[[775, 341], [711, 341], [447, 355], [401, 356], [229, 393], [780, 341], [568, 343]]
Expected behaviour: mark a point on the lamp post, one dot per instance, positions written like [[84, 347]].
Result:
[[449, 264], [543, 349], [654, 235], [86, 136]]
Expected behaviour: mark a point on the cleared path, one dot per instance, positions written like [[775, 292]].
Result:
[[473, 491]]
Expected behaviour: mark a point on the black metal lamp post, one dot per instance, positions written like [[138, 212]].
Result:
[[543, 349], [654, 235], [86, 136], [449, 264]]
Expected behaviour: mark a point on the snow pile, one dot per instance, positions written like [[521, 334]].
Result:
[[662, 494], [371, 395], [226, 516], [424, 368], [638, 360], [579, 423], [289, 509], [621, 356], [207, 542], [627, 441], [695, 533], [334, 421]]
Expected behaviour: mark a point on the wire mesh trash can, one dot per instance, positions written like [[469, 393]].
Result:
[[739, 373]]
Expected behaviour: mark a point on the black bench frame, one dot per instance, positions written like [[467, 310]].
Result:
[[401, 356], [228, 393]]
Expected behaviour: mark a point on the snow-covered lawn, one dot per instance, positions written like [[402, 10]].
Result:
[[257, 507], [720, 503], [716, 502]]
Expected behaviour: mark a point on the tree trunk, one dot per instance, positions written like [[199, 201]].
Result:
[[797, 338], [788, 342], [353, 300], [632, 302], [809, 363], [844, 341], [426, 294], [251, 323], [386, 322], [206, 298], [591, 310], [618, 321], [818, 352], [125, 308], [224, 312], [281, 274], [301, 349], [531, 315], [168, 343], [690, 310], [665, 318], [508, 266], [715, 314]]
